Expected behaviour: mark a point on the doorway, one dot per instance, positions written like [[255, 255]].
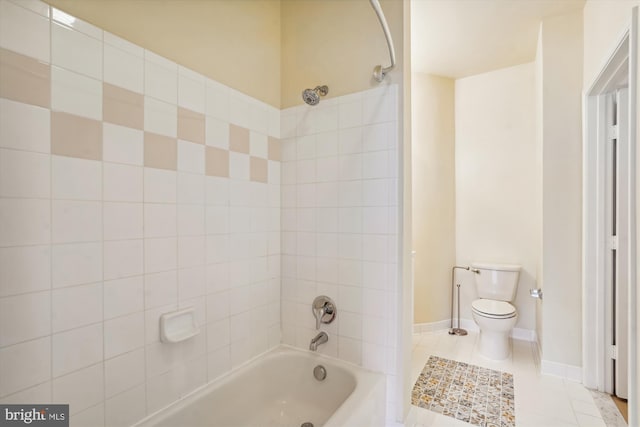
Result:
[[609, 238]]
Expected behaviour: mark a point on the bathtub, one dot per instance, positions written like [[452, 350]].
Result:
[[279, 389]]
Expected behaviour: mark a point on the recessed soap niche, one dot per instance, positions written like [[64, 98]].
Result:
[[178, 325]]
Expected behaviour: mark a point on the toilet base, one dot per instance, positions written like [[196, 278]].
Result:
[[494, 345]]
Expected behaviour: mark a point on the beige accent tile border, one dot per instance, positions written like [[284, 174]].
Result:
[[24, 79], [217, 162], [76, 136], [122, 107], [259, 170], [191, 126], [274, 149], [239, 139], [160, 151]]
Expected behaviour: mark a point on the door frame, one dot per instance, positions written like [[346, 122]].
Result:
[[624, 58]]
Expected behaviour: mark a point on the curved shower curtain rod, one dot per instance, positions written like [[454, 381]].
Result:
[[379, 72]]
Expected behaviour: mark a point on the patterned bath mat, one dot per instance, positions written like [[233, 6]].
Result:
[[469, 393]]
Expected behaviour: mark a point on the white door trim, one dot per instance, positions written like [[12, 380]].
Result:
[[594, 255], [626, 54]]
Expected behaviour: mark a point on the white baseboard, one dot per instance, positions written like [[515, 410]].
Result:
[[569, 372], [470, 325]]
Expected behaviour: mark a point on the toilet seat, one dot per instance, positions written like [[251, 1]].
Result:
[[493, 309]]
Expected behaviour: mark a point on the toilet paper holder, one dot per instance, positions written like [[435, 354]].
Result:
[[536, 293]]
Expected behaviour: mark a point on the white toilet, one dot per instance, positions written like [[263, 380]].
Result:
[[493, 312]]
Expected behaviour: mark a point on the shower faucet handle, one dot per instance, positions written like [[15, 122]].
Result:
[[323, 309]]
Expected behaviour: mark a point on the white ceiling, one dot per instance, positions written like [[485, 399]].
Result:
[[459, 38]]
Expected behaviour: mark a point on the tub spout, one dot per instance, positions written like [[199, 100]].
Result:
[[321, 338]]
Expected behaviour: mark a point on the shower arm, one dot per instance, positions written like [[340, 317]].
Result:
[[380, 72]]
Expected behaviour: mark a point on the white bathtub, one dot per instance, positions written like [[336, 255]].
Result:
[[279, 389]]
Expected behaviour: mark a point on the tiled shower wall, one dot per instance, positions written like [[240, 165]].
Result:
[[129, 187], [340, 227]]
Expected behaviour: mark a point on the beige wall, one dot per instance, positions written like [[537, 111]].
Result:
[[539, 134], [234, 42], [562, 189], [337, 43], [433, 177], [605, 22], [495, 166]]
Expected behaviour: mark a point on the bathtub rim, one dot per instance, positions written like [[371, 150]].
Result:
[[366, 380]]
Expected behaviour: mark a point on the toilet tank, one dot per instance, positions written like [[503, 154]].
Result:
[[496, 281]]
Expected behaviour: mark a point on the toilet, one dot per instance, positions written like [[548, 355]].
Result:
[[492, 311]]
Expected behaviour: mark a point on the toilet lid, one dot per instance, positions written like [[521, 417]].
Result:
[[493, 308]]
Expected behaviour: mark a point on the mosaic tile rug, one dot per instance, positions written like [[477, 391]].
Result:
[[469, 393]]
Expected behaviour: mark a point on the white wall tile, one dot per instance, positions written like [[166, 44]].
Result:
[[24, 126], [375, 220], [123, 44], [124, 372], [238, 109], [24, 317], [191, 188], [350, 167], [93, 416], [191, 220], [161, 391], [375, 165], [123, 334], [123, 221], [123, 69], [350, 325], [160, 289], [76, 221], [239, 166], [13, 21], [76, 349], [350, 141], [76, 94], [160, 78], [24, 174], [217, 133], [123, 258], [218, 362], [75, 51], [76, 306], [190, 157], [258, 145], [123, 296], [160, 220], [76, 179], [123, 183], [160, 186], [76, 263], [217, 100], [327, 169], [75, 23], [122, 144], [350, 114], [160, 117], [258, 117], [350, 220], [350, 350], [24, 222], [191, 93], [81, 389], [375, 247], [25, 365], [191, 283], [160, 255], [38, 393], [126, 408], [378, 136], [191, 251], [24, 269]]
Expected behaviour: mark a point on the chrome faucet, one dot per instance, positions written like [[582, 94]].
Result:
[[321, 338]]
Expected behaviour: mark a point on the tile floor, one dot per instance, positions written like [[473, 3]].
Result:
[[540, 400]]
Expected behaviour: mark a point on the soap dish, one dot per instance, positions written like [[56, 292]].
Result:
[[178, 325]]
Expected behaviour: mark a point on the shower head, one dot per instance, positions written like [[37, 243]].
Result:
[[312, 96]]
